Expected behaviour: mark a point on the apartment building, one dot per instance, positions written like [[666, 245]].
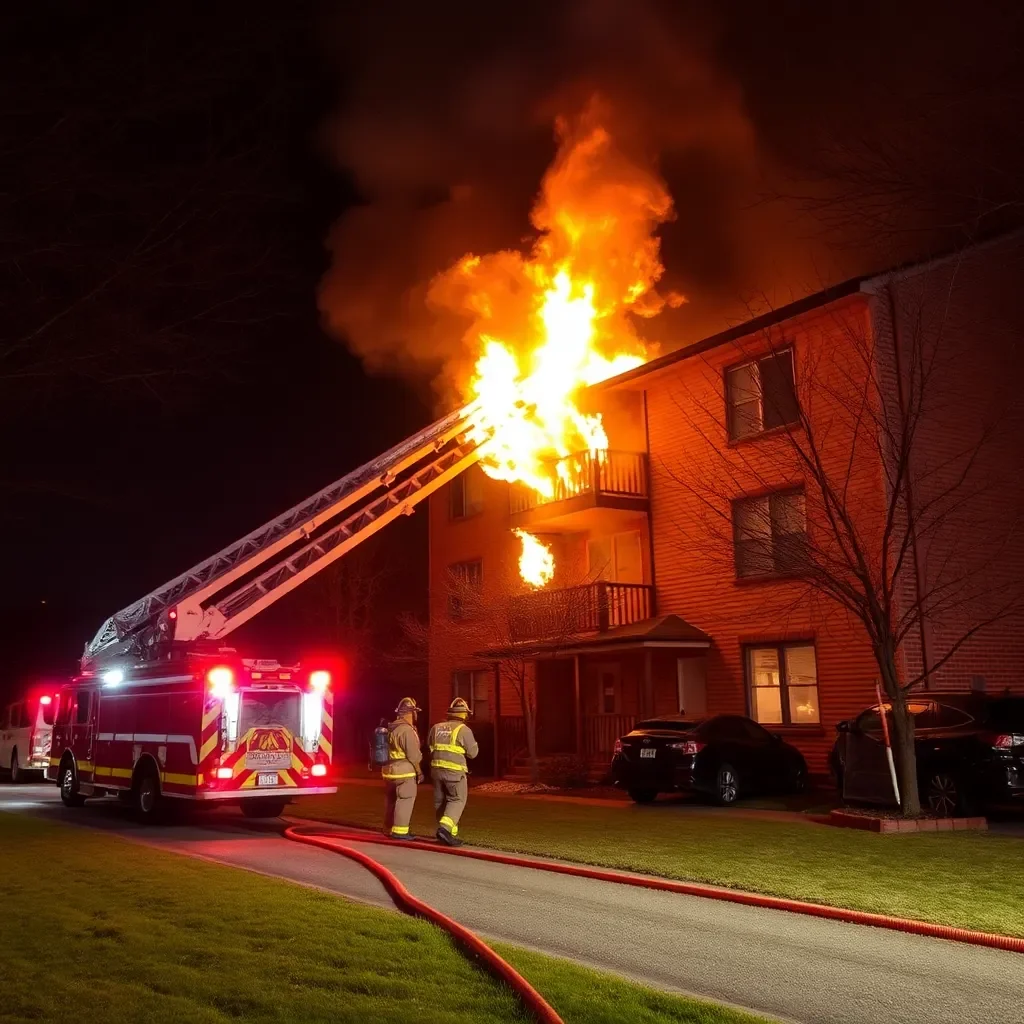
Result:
[[680, 552]]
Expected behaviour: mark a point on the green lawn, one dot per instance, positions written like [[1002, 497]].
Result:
[[970, 879], [95, 928]]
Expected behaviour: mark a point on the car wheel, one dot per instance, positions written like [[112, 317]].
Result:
[[69, 795], [944, 794], [642, 796], [263, 808], [15, 769], [727, 787], [147, 795]]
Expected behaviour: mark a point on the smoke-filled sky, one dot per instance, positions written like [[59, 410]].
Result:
[[802, 143]]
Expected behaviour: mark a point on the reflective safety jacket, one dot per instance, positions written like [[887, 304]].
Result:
[[404, 755], [450, 743]]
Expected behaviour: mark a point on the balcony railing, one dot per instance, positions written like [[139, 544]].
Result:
[[592, 608], [610, 473], [601, 731]]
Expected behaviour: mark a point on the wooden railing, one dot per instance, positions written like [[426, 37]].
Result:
[[601, 731], [592, 608], [614, 473]]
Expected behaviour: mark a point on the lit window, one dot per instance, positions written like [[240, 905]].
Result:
[[783, 680]]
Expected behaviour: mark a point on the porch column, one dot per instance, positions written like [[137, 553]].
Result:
[[579, 707], [648, 701], [497, 720]]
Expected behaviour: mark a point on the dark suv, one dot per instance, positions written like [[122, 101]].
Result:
[[970, 753]]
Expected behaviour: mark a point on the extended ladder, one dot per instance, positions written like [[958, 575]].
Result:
[[218, 595]]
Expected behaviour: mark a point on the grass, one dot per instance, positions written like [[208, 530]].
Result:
[[967, 879], [99, 928]]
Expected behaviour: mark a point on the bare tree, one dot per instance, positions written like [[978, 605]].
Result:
[[849, 496], [510, 625]]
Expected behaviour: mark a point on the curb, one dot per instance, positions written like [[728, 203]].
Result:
[[1009, 943], [504, 971]]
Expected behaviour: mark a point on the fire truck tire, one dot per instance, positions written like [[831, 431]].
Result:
[[146, 793], [266, 807], [69, 795]]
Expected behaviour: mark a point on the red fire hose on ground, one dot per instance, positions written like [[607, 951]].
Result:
[[320, 836], [476, 947]]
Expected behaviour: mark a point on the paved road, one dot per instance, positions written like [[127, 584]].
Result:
[[784, 965]]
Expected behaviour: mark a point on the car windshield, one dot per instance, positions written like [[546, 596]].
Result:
[[1007, 713], [671, 724]]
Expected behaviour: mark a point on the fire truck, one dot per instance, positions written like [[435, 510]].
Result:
[[164, 708]]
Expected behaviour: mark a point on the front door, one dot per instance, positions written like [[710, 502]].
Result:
[[556, 707], [83, 731]]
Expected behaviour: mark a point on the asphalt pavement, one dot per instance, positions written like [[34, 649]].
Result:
[[783, 965]]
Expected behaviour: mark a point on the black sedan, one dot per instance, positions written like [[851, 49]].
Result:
[[970, 753], [724, 758]]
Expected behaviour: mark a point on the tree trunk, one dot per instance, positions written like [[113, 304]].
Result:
[[530, 728], [906, 758]]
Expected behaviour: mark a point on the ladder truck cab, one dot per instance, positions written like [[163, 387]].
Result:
[[163, 709], [201, 726]]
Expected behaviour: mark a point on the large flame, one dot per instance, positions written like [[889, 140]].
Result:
[[548, 324], [536, 562]]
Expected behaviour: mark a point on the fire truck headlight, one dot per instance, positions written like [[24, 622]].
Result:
[[114, 677]]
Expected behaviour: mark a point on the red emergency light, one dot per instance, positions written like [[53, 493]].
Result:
[[319, 770], [319, 680], [46, 699], [221, 680]]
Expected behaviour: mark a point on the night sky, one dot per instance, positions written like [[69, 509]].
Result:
[[204, 206]]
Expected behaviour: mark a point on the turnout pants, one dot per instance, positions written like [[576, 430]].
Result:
[[401, 800], [451, 791]]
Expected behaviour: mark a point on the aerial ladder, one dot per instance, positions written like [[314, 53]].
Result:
[[221, 593]]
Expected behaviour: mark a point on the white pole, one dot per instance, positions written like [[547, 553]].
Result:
[[888, 745]]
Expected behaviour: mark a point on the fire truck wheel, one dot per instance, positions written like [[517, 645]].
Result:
[[69, 794], [263, 808], [147, 794]]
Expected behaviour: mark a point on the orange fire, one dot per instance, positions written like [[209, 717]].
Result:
[[547, 324], [536, 562]]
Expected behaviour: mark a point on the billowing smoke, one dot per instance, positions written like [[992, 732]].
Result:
[[447, 125]]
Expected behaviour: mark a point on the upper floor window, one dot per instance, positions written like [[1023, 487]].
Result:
[[760, 395], [783, 680], [466, 494], [472, 686], [770, 534], [466, 579]]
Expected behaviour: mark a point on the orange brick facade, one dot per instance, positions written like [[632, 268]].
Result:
[[675, 413]]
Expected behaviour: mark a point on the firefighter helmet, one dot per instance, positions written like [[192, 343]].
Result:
[[459, 708], [407, 705]]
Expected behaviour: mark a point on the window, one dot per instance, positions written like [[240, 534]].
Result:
[[783, 682], [760, 395], [465, 582], [609, 693], [25, 721], [466, 494], [82, 712], [472, 687], [14, 717], [617, 558], [770, 534], [64, 708]]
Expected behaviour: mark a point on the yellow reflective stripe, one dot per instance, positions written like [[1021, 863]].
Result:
[[403, 775], [54, 762], [208, 746], [447, 823], [399, 830], [448, 764], [178, 780], [448, 748], [456, 731], [117, 773], [397, 755]]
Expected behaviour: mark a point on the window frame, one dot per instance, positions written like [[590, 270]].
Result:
[[78, 719], [775, 572], [474, 682], [468, 510], [780, 647], [788, 349], [456, 609]]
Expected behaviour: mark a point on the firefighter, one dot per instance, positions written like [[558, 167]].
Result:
[[402, 772], [450, 743]]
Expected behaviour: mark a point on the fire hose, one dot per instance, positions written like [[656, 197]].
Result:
[[470, 943], [1009, 943]]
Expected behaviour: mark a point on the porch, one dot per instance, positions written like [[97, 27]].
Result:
[[589, 694]]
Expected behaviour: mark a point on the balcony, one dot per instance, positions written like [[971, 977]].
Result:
[[565, 615], [614, 480]]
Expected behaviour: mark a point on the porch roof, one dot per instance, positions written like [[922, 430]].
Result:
[[661, 631]]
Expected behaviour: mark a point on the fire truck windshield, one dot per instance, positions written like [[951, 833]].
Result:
[[270, 707]]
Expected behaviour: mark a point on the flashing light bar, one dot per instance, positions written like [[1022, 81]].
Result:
[[113, 677], [221, 680], [46, 699], [320, 680]]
